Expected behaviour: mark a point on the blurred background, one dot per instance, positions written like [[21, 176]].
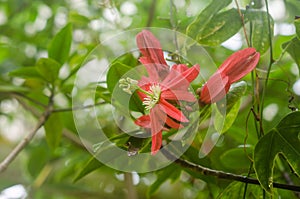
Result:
[[26, 29]]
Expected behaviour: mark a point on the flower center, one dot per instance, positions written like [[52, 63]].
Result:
[[153, 97]]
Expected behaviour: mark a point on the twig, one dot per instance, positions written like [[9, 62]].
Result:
[[132, 194], [269, 67], [32, 109], [243, 22], [77, 107], [17, 95], [77, 141], [23, 143], [223, 175]]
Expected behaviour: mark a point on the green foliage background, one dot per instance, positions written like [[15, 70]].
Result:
[[42, 46]]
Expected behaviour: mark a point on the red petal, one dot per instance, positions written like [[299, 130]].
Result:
[[172, 111], [145, 80], [178, 95], [156, 116], [156, 142], [143, 121], [180, 67], [150, 67], [171, 123], [150, 47], [191, 73], [152, 52], [178, 80], [239, 64], [214, 89], [145, 86]]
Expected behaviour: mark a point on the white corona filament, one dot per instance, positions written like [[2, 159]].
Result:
[[152, 99]]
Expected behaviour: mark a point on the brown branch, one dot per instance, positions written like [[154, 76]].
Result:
[[77, 141], [132, 193], [77, 107], [223, 175], [23, 143], [17, 95], [243, 22]]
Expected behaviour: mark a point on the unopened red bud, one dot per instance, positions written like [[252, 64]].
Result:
[[233, 69]]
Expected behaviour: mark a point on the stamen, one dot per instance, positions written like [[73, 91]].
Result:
[[153, 98]]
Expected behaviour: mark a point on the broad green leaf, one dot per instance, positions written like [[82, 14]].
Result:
[[67, 119], [201, 21], [293, 48], [119, 68], [283, 139], [59, 47], [26, 73], [260, 29], [222, 124], [48, 69], [237, 189], [103, 93], [236, 91], [220, 28], [53, 128], [297, 25], [90, 166], [120, 97], [78, 19], [38, 156], [116, 71], [171, 172], [12, 88], [256, 4], [135, 103], [237, 158]]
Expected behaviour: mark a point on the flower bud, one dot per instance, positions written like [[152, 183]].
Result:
[[233, 69]]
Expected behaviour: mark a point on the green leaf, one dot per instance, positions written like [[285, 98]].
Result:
[[256, 4], [48, 69], [297, 25], [90, 166], [116, 71], [12, 88], [119, 68], [76, 18], [237, 158], [260, 29], [38, 156], [293, 48], [59, 47], [103, 93], [237, 189], [236, 91], [223, 124], [283, 139], [26, 73], [121, 98], [171, 172], [233, 102], [220, 28], [201, 21], [53, 128]]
